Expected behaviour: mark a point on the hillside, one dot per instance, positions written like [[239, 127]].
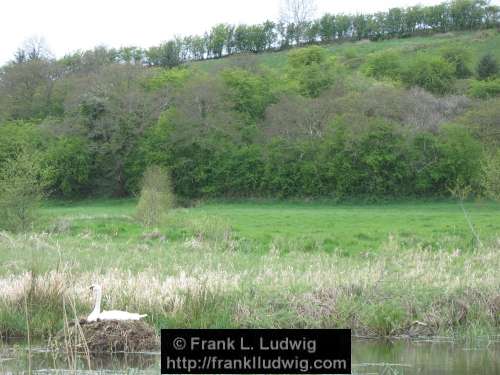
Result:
[[478, 43], [396, 118]]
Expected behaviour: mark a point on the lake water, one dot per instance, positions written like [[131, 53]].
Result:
[[368, 357]]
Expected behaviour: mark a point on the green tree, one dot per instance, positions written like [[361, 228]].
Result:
[[21, 190], [67, 164], [312, 69], [484, 122], [327, 29], [19, 136], [384, 64], [437, 17], [343, 24], [414, 17], [167, 55], [459, 160], [217, 40], [249, 93], [487, 67], [29, 89], [112, 112], [460, 59], [431, 73], [466, 14], [491, 176], [360, 26]]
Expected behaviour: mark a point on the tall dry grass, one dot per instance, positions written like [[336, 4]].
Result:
[[398, 291]]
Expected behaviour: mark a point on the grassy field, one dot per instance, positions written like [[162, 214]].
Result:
[[344, 229], [375, 268]]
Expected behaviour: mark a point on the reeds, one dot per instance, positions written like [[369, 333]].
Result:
[[450, 293]]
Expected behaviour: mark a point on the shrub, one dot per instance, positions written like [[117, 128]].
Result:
[[156, 197], [17, 136], [440, 161], [487, 67], [311, 69], [460, 157], [383, 65], [485, 89], [249, 93], [379, 159], [307, 56], [21, 190], [365, 157], [431, 73], [459, 58], [484, 121], [491, 176], [68, 165]]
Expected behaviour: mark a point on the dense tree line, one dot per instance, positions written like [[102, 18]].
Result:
[[94, 121], [223, 39], [316, 132]]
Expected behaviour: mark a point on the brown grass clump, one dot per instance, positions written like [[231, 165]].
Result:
[[112, 336]]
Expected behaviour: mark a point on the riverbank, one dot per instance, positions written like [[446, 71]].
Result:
[[199, 271], [398, 292]]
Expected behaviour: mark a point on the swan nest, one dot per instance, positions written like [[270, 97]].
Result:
[[109, 336]]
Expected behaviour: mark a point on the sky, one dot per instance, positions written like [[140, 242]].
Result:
[[69, 25]]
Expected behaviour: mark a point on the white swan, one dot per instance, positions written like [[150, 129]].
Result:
[[96, 314]]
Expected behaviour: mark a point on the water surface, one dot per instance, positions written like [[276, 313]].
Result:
[[440, 357]]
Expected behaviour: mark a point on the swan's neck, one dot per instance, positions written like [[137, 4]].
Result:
[[97, 307]]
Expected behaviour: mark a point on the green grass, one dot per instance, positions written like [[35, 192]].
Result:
[[357, 228], [251, 228], [350, 229], [376, 268], [354, 54]]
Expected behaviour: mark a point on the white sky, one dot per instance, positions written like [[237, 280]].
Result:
[[68, 25]]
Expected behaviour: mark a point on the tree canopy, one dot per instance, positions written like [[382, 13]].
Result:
[[363, 122]]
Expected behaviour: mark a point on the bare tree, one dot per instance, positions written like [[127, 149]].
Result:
[[295, 117], [33, 49], [297, 11], [416, 108]]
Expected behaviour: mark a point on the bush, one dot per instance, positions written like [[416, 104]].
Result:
[[68, 164], [365, 157], [431, 73], [21, 190], [484, 121], [485, 89], [383, 65], [249, 93], [312, 69], [491, 176], [459, 58], [307, 56], [156, 197], [17, 136], [487, 67], [460, 157]]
